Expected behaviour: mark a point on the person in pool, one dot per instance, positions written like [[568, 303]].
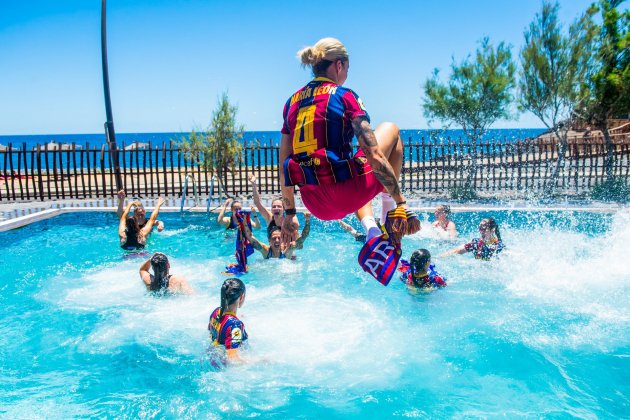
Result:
[[276, 248], [419, 273], [226, 330], [487, 246], [134, 230], [161, 281], [230, 222], [443, 223], [320, 121], [359, 237], [275, 217], [139, 214]]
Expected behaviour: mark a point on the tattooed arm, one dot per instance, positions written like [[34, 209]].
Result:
[[379, 163], [259, 246]]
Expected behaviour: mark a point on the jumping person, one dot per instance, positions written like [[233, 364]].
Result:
[[132, 233], [276, 248], [487, 246], [161, 281], [320, 121], [230, 222], [226, 330]]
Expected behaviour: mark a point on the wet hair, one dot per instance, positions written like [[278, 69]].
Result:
[[418, 261], [132, 227], [159, 264], [322, 54], [445, 209], [233, 203], [273, 229], [231, 290], [361, 237], [278, 199], [492, 224]]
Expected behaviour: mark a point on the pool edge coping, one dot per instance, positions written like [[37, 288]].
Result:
[[49, 213]]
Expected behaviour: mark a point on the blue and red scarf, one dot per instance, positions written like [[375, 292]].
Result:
[[243, 247], [379, 257]]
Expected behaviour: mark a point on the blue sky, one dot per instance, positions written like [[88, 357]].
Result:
[[170, 60]]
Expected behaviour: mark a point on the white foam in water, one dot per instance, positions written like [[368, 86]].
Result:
[[574, 274], [335, 346], [323, 332]]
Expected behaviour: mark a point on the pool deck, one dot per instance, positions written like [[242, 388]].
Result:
[[18, 214]]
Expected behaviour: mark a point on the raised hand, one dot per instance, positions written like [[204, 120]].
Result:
[[289, 229], [413, 223]]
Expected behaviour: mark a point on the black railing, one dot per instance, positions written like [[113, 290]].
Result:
[[430, 168]]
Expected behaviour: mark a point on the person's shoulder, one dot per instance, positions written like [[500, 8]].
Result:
[[342, 90], [177, 279], [233, 322]]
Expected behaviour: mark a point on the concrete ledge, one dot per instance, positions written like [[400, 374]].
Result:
[[28, 219], [44, 214]]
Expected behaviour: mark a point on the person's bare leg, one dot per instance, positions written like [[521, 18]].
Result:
[[391, 145], [389, 142]]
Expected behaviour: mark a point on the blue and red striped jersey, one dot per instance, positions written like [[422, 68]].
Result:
[[318, 119]]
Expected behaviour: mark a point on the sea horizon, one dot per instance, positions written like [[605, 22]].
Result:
[[98, 139]]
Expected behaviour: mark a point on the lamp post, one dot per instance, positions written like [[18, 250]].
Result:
[[110, 134]]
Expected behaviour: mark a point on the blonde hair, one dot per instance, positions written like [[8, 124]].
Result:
[[445, 209], [320, 55]]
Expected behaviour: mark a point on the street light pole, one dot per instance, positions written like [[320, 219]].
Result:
[[110, 134]]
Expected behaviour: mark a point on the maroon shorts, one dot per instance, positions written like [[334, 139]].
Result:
[[335, 201]]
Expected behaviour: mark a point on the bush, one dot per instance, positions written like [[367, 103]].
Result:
[[463, 192], [615, 189]]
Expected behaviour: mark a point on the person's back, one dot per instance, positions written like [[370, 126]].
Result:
[[161, 281], [227, 332], [318, 119]]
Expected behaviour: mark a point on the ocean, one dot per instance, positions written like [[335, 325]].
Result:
[[252, 156], [265, 137]]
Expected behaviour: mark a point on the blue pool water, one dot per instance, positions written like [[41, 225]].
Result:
[[544, 331]]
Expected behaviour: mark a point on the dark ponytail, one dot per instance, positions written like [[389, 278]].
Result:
[[492, 224], [159, 264], [231, 291]]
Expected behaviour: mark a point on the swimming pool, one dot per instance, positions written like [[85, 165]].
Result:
[[545, 330]]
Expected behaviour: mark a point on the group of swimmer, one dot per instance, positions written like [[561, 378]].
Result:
[[320, 121]]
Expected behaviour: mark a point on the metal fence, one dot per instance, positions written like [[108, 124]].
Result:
[[505, 168]]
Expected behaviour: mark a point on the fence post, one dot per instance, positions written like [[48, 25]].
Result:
[[103, 179], [40, 182]]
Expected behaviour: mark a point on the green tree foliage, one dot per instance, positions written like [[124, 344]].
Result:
[[218, 149], [553, 64], [605, 93], [477, 94]]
